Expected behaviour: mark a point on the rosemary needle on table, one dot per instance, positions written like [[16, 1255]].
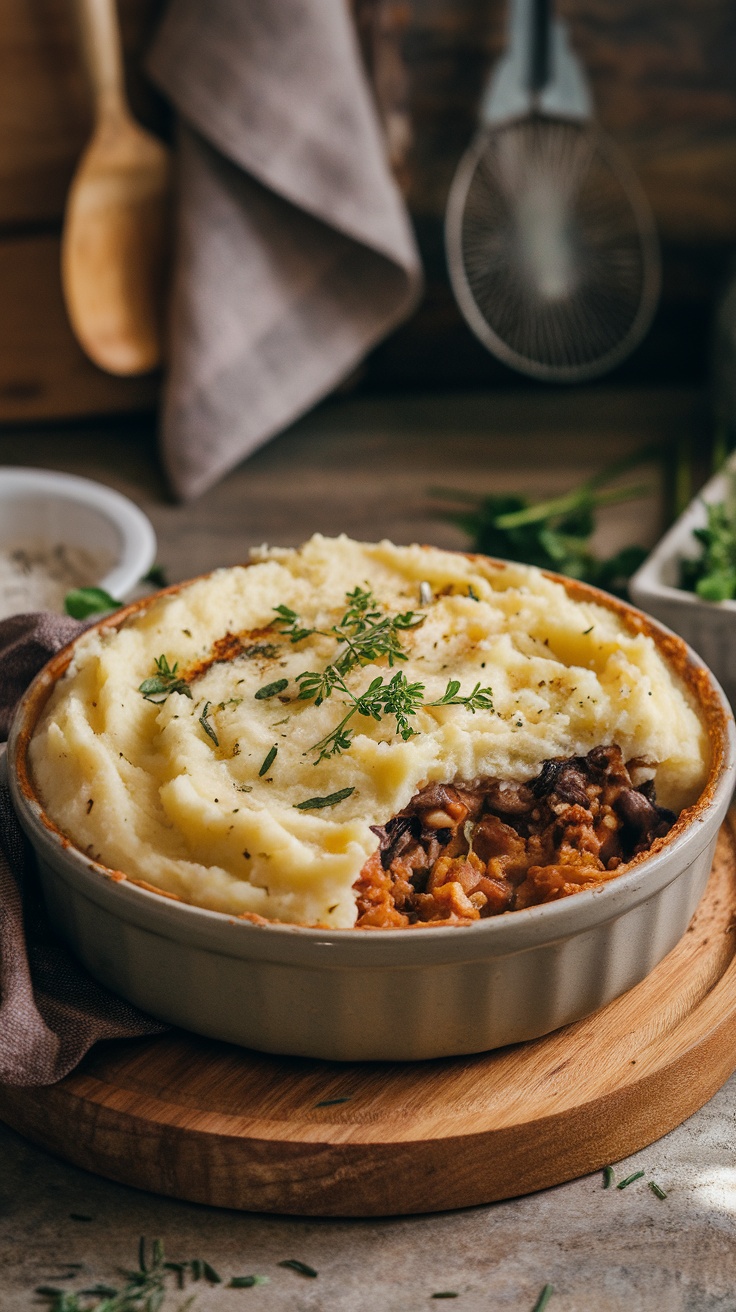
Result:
[[623, 1184], [302, 1268], [543, 1299]]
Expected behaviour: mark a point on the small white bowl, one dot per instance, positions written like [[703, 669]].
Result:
[[55, 508], [381, 995], [708, 626]]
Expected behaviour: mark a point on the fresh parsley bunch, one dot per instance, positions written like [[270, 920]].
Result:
[[712, 575], [553, 534]]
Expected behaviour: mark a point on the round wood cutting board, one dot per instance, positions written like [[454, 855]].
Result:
[[216, 1124]]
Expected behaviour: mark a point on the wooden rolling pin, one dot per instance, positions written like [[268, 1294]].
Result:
[[114, 243]]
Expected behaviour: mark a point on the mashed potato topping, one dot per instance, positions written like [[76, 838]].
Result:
[[202, 795]]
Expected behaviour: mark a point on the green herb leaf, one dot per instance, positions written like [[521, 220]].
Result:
[[623, 1184], [712, 575], [164, 682], [289, 621], [608, 1177], [157, 576], [657, 1190], [553, 534], [268, 762], [543, 1299], [207, 726], [247, 1282], [445, 1293], [271, 689], [294, 1264], [80, 603], [317, 803], [210, 1274]]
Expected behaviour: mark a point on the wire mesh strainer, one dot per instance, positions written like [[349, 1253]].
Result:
[[551, 244]]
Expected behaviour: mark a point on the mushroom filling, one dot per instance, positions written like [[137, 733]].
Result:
[[463, 852]]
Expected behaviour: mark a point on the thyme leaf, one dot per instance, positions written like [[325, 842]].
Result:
[[608, 1177], [208, 728], [164, 682], [247, 1282], [317, 803], [271, 689], [657, 1189], [289, 621], [269, 760]]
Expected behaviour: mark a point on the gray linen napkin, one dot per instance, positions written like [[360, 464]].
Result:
[[51, 1011], [294, 253]]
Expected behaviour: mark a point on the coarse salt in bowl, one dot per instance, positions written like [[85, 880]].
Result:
[[59, 532]]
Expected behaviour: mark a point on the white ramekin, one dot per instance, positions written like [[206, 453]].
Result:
[[78, 512], [382, 994], [708, 626]]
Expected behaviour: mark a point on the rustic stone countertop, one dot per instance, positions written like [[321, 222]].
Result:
[[366, 467]]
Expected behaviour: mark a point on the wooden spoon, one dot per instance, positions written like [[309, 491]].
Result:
[[114, 243]]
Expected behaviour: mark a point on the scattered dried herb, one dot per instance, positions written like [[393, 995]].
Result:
[[543, 1299], [247, 1282], [269, 760], [80, 603], [623, 1184], [608, 1177], [445, 1293], [271, 689], [302, 1268], [657, 1189], [210, 1274], [208, 728], [317, 803], [164, 682]]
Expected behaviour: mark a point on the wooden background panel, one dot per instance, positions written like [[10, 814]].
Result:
[[44, 101], [662, 80], [44, 373]]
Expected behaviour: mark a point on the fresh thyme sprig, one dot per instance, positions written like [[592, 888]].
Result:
[[164, 682], [394, 696], [364, 633], [480, 699]]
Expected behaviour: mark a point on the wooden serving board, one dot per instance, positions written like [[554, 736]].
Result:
[[216, 1124]]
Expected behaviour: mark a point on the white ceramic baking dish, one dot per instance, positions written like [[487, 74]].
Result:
[[708, 626], [381, 994]]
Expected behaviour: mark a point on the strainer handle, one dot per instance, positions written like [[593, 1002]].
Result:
[[539, 45]]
